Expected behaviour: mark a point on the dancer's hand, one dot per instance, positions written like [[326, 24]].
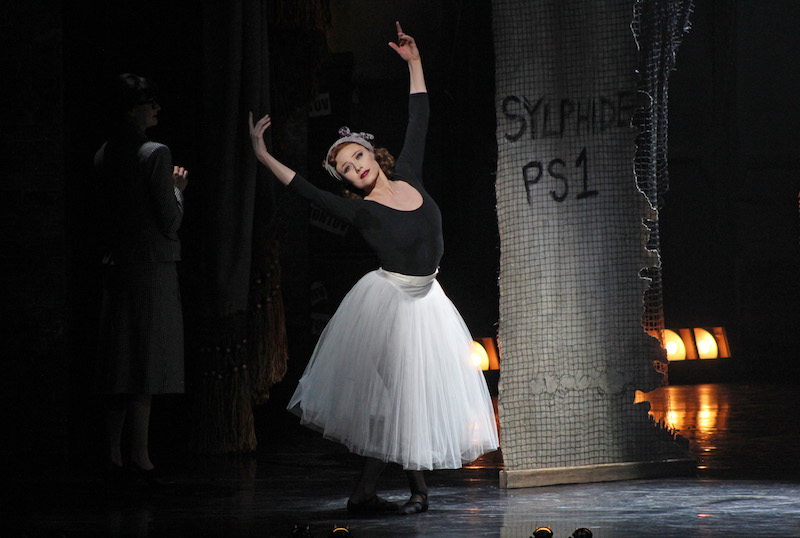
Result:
[[406, 47], [257, 136], [281, 171]]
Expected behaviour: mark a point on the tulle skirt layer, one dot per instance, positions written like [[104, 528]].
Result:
[[392, 377]]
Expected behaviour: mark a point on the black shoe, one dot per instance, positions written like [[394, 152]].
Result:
[[151, 477], [115, 476], [374, 505], [415, 507]]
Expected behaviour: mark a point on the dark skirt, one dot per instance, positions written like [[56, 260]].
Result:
[[140, 347]]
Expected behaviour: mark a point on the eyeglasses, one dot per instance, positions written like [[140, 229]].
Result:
[[152, 102]]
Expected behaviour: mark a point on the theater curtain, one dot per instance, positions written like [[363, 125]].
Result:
[[237, 348]]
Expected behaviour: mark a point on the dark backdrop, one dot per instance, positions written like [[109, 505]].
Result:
[[729, 226]]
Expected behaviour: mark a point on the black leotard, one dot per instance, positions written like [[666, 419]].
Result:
[[408, 242]]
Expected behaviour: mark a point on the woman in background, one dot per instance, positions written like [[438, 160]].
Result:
[[141, 323]]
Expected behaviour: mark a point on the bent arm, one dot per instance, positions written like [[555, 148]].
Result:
[[158, 167], [281, 171], [329, 202]]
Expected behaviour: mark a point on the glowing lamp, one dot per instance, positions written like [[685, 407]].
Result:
[[479, 356], [696, 343], [706, 344], [492, 351], [721, 337], [676, 349]]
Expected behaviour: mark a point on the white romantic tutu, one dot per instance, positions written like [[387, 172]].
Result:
[[392, 377]]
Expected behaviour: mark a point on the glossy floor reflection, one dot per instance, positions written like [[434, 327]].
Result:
[[734, 430], [745, 439]]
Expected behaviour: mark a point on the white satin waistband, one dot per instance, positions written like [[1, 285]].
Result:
[[416, 286]]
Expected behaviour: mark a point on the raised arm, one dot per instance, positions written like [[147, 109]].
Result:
[[345, 209], [281, 171], [406, 48]]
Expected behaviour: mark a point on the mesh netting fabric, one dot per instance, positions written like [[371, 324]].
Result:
[[658, 28], [576, 239]]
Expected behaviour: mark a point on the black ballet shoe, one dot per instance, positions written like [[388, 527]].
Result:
[[415, 507], [115, 476], [374, 505], [151, 477]]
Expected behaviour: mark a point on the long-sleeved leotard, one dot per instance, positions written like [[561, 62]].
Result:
[[408, 242]]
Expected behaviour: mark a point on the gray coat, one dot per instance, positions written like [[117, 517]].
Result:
[[140, 212], [140, 347]]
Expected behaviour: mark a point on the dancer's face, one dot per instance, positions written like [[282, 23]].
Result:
[[357, 165]]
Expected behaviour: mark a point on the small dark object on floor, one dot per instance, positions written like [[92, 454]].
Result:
[[301, 532]]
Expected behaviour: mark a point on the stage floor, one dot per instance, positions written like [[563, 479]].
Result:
[[745, 439]]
